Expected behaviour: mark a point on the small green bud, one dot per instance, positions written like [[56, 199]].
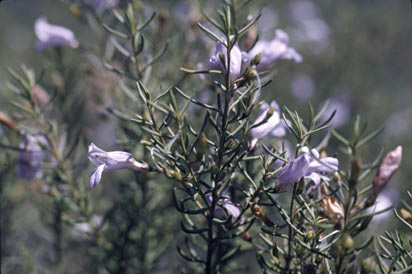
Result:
[[356, 167], [368, 265], [222, 58], [256, 59], [260, 104], [270, 112], [145, 143], [310, 235], [201, 146], [347, 242], [336, 176], [250, 73]]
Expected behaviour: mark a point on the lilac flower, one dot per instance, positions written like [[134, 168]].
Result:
[[53, 35], [271, 51], [236, 58], [32, 156], [226, 204], [311, 28], [113, 160], [101, 5], [303, 10], [273, 126], [302, 87], [342, 106], [309, 167]]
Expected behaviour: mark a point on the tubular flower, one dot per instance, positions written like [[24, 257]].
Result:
[[273, 126], [53, 35], [271, 51], [228, 206], [236, 57], [113, 160], [309, 166], [31, 157]]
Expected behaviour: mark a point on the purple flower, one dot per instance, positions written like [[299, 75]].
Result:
[[53, 35], [271, 51], [227, 205], [309, 166], [302, 87], [101, 5], [32, 156], [236, 58], [342, 106], [113, 160], [273, 126]]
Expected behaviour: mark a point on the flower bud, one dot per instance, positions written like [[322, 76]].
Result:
[[250, 73], [356, 167], [270, 112], [222, 58], [256, 59], [146, 143], [336, 176], [406, 215], [201, 144], [347, 242], [259, 213], [368, 265], [7, 121], [310, 235], [139, 117], [74, 9], [386, 169], [177, 175]]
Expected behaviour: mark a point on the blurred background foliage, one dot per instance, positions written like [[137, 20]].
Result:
[[356, 53]]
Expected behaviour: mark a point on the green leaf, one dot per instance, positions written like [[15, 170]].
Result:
[[210, 33], [115, 32], [146, 23]]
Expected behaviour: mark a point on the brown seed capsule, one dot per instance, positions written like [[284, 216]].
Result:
[[259, 213], [331, 207]]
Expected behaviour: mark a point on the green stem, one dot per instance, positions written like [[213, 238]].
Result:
[[290, 237]]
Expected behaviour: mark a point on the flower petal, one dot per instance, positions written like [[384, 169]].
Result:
[[53, 35], [327, 164], [295, 170], [96, 176], [96, 155]]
